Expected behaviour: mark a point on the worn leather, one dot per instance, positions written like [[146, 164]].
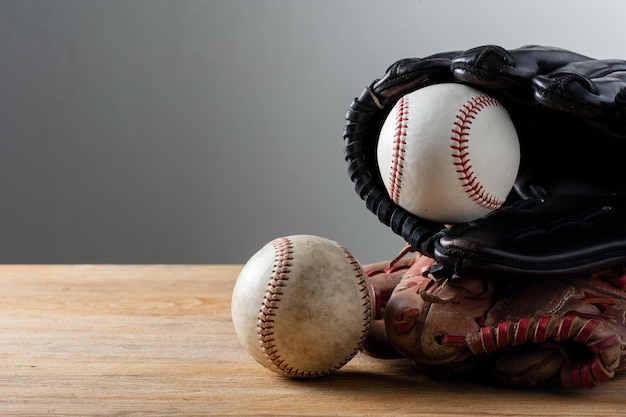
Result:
[[564, 331]]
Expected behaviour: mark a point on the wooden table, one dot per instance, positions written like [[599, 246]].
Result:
[[158, 341]]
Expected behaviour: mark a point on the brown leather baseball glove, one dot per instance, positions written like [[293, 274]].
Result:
[[522, 332]]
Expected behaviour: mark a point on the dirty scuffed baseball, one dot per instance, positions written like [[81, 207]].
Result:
[[301, 306]]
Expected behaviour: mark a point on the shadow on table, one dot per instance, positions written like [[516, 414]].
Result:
[[403, 378]]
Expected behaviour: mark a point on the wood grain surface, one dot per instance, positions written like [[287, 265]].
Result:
[[158, 341]]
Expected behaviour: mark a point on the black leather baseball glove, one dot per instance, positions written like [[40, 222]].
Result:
[[567, 212]]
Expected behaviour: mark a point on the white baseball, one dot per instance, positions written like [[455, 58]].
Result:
[[301, 306], [448, 153]]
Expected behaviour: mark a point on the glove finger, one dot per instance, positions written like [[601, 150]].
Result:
[[555, 237], [510, 71], [383, 277], [588, 88], [594, 90], [409, 74]]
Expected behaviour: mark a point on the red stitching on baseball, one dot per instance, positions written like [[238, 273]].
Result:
[[460, 138], [399, 143], [283, 257]]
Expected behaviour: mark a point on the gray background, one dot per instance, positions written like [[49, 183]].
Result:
[[196, 131]]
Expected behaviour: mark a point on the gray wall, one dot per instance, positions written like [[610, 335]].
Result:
[[195, 131]]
